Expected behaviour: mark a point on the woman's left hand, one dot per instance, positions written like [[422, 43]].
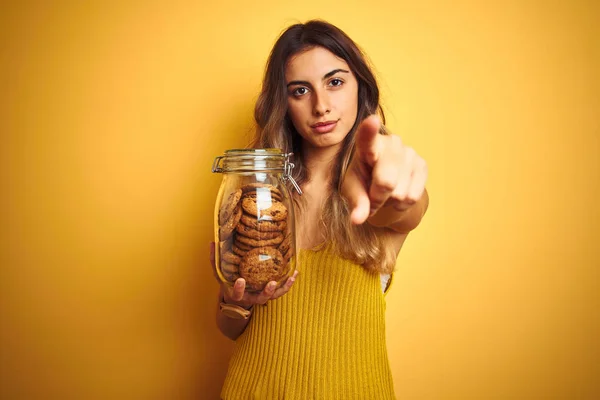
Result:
[[383, 172]]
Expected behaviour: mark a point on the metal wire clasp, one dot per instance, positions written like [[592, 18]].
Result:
[[287, 172], [215, 166]]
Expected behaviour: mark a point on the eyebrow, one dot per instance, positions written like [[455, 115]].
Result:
[[327, 75]]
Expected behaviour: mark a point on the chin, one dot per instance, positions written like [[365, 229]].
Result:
[[325, 140]]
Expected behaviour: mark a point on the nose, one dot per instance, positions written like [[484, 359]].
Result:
[[321, 103]]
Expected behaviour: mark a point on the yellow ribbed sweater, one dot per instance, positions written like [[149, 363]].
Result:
[[325, 339]]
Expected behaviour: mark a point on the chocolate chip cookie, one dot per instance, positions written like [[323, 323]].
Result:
[[228, 227], [263, 225], [271, 211], [260, 243], [256, 233], [260, 266], [229, 205]]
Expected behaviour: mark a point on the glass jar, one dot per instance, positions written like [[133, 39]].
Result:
[[254, 231]]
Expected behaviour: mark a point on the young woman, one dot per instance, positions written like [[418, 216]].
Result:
[[363, 192]]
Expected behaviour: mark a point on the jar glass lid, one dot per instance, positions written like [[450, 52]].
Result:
[[256, 160]]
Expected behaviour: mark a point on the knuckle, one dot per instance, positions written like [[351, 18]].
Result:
[[399, 194], [385, 182], [412, 198], [409, 154], [395, 139]]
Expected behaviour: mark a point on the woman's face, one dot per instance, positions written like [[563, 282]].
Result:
[[322, 97]]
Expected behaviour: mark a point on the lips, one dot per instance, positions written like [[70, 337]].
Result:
[[324, 127]]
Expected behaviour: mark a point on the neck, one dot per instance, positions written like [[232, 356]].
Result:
[[319, 162]]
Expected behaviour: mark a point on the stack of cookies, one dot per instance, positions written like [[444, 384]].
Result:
[[255, 242]]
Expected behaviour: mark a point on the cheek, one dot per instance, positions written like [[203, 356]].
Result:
[[352, 105], [354, 102], [296, 114], [350, 110], [347, 101]]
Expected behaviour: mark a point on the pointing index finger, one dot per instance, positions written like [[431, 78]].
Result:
[[368, 145]]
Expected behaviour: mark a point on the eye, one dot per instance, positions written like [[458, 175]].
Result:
[[336, 82], [300, 91]]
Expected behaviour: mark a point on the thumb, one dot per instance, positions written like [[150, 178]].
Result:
[[357, 197], [368, 145], [361, 209]]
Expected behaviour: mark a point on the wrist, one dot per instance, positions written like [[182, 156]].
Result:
[[234, 303], [234, 311]]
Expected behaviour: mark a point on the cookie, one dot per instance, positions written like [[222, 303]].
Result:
[[226, 229], [239, 251], [287, 256], [272, 211], [262, 225], [231, 258], [229, 268], [285, 245], [263, 194], [251, 188], [229, 205], [241, 245], [255, 234], [260, 266], [260, 243], [231, 277], [264, 199]]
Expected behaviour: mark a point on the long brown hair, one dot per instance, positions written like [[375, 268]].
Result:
[[364, 244]]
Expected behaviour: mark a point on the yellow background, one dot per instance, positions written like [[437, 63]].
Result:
[[111, 115]]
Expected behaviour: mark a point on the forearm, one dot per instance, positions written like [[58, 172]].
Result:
[[231, 328], [401, 221]]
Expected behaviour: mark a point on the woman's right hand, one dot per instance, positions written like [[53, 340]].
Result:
[[238, 295]]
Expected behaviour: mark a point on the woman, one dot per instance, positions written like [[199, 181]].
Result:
[[363, 191]]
